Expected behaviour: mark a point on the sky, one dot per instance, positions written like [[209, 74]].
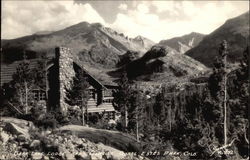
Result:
[[156, 20]]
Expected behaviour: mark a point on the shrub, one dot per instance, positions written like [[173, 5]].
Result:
[[38, 111], [102, 124], [61, 119], [28, 117], [48, 121]]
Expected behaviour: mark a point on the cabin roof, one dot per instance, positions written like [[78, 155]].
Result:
[[7, 70], [97, 81]]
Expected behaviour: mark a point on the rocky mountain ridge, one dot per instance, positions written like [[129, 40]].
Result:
[[99, 49], [183, 43], [235, 31], [94, 42]]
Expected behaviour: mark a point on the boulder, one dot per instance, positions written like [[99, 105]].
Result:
[[35, 144], [19, 122], [82, 156], [45, 158], [22, 138], [36, 155], [97, 155], [4, 137], [117, 155], [107, 155], [69, 156], [16, 130], [47, 132], [83, 140], [114, 153], [61, 149]]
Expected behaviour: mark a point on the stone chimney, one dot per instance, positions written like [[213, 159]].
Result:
[[64, 59]]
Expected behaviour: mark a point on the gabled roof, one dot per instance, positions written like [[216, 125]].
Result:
[[7, 70], [90, 75], [103, 83]]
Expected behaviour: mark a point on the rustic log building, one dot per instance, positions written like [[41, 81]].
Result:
[[61, 70]]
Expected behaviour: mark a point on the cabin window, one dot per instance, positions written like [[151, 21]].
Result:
[[107, 93], [108, 100], [39, 95], [92, 93], [109, 115]]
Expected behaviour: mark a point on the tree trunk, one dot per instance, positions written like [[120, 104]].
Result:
[[225, 100], [87, 116], [170, 120], [83, 121], [26, 97], [225, 110], [126, 118], [21, 98], [46, 82], [137, 128]]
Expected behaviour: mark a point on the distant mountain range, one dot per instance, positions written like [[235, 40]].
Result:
[[235, 31], [183, 43], [94, 43], [105, 52]]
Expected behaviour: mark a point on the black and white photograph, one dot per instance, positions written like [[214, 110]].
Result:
[[124, 80]]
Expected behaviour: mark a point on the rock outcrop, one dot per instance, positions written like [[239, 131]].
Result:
[[22, 133], [184, 43], [52, 145]]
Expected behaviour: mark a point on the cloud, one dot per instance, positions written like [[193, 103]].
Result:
[[176, 18], [142, 8], [156, 20], [137, 23], [169, 6], [21, 18], [123, 7]]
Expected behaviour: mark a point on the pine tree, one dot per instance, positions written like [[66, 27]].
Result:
[[218, 88], [137, 110], [23, 82], [41, 74], [122, 98], [223, 53], [79, 94], [160, 106], [241, 97]]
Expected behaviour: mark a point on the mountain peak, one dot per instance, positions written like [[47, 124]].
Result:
[[195, 33], [139, 38], [147, 43], [97, 25], [103, 45], [184, 43], [235, 31]]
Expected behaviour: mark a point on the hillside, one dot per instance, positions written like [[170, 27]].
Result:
[[160, 64], [183, 43], [235, 31], [93, 42]]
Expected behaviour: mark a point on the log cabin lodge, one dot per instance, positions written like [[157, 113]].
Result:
[[60, 71]]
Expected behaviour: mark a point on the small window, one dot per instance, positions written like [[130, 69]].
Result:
[[39, 95], [107, 100]]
